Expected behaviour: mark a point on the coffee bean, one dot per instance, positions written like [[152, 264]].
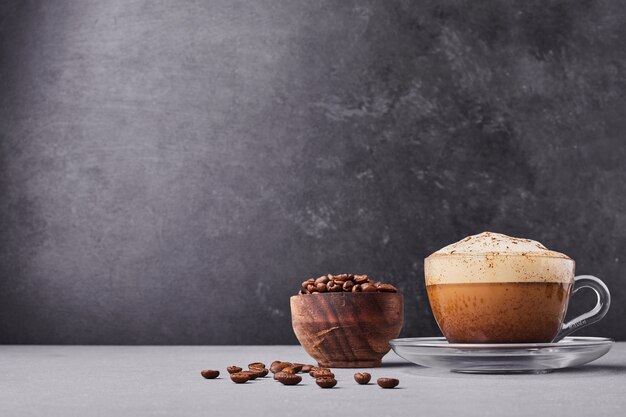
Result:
[[342, 277], [356, 288], [326, 381], [288, 370], [278, 366], [307, 368], [362, 378], [360, 279], [288, 379], [311, 288], [319, 368], [321, 287], [233, 369], [210, 373], [308, 282], [256, 365], [368, 288], [322, 280], [251, 374], [297, 367], [347, 286], [319, 372], [335, 288], [302, 292], [387, 288], [239, 377], [387, 382], [259, 372]]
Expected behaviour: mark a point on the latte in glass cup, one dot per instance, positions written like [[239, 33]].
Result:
[[493, 288]]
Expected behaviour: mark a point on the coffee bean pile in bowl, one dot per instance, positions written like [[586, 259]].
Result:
[[344, 283]]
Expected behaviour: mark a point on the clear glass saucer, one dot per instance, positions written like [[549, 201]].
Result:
[[436, 352]]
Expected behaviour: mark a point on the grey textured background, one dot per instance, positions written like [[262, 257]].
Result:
[[171, 170]]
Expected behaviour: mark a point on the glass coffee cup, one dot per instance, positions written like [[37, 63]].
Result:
[[500, 297]]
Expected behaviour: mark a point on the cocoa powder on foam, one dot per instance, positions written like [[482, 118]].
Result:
[[494, 257]]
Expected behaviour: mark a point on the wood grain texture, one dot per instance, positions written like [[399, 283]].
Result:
[[347, 330]]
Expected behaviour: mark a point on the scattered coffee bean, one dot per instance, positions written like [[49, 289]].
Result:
[[279, 374], [297, 367], [233, 369], [362, 378], [289, 370], [326, 381], [320, 372], [251, 374], [387, 382], [256, 365], [279, 366], [344, 282], [258, 372], [239, 377], [259, 368], [307, 368], [288, 379], [210, 373]]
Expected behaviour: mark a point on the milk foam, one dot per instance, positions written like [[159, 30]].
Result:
[[494, 257]]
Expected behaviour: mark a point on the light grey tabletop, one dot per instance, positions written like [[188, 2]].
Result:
[[165, 380]]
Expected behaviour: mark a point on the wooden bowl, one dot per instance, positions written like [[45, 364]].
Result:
[[347, 330]]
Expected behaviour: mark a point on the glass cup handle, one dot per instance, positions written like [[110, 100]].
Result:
[[590, 317]]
